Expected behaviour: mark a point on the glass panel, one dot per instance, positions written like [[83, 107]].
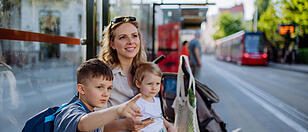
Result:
[[142, 10], [37, 75], [254, 44]]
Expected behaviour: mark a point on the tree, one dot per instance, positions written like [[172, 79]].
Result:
[[296, 12], [262, 6], [228, 25], [287, 12], [291, 12], [268, 24]]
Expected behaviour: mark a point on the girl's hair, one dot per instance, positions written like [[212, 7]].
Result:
[[185, 42], [109, 55], [144, 68]]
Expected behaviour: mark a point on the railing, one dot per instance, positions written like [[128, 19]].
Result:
[[10, 34]]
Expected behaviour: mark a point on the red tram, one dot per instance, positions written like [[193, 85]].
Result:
[[245, 48]]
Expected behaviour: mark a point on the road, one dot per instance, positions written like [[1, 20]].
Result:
[[258, 98]]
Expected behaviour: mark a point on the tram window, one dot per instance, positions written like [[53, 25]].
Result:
[[254, 44]]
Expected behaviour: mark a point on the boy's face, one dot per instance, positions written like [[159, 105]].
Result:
[[96, 92], [150, 86]]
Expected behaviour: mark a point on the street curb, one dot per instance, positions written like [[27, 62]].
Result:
[[288, 67]]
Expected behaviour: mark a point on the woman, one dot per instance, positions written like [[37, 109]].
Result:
[[122, 50]]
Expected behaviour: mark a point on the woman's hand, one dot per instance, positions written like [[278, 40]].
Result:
[[135, 124]]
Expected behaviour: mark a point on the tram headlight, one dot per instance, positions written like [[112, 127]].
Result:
[[264, 55], [246, 55]]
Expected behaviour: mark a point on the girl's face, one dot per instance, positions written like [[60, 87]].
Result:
[[149, 86], [126, 41]]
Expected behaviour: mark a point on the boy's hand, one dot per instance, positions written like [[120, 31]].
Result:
[[129, 108]]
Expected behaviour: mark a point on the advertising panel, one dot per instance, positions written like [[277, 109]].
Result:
[[168, 40]]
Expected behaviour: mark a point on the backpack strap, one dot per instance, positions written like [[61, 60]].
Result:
[[81, 105], [52, 116]]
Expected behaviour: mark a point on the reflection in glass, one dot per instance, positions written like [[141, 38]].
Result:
[[35, 75], [142, 10], [49, 24]]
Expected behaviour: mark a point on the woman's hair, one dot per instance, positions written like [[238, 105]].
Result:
[[144, 68], [109, 55]]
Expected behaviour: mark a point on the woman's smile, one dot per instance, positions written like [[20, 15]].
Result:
[[130, 49]]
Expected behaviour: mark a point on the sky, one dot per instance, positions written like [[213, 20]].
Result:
[[213, 9], [248, 6]]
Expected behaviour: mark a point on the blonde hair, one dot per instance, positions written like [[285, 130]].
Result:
[[144, 68], [109, 55]]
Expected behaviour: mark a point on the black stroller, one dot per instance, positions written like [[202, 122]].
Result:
[[207, 119]]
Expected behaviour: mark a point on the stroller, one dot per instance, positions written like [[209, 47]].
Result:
[[187, 103]]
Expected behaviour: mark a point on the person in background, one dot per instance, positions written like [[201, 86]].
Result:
[[185, 48], [122, 50], [94, 84], [148, 79], [195, 54]]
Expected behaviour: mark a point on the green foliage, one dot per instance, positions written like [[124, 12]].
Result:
[[268, 24], [291, 11], [228, 25], [262, 6], [296, 12], [303, 55], [248, 25], [191, 97]]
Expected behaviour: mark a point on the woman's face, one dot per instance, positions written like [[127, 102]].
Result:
[[126, 41]]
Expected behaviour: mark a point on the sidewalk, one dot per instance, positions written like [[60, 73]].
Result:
[[294, 67]]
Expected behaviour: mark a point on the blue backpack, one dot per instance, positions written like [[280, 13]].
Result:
[[43, 121]]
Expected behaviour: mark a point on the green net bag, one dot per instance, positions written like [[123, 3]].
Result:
[[185, 105]]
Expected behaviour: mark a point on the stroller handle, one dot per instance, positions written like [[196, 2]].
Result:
[[159, 59]]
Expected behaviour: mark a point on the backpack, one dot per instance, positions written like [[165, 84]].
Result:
[[43, 121]]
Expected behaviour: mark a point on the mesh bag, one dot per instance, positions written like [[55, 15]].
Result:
[[184, 104], [209, 120]]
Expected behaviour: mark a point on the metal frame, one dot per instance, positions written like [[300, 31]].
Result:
[[105, 13], [91, 25], [90, 40]]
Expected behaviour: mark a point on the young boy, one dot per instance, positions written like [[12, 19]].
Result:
[[148, 79], [94, 83]]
